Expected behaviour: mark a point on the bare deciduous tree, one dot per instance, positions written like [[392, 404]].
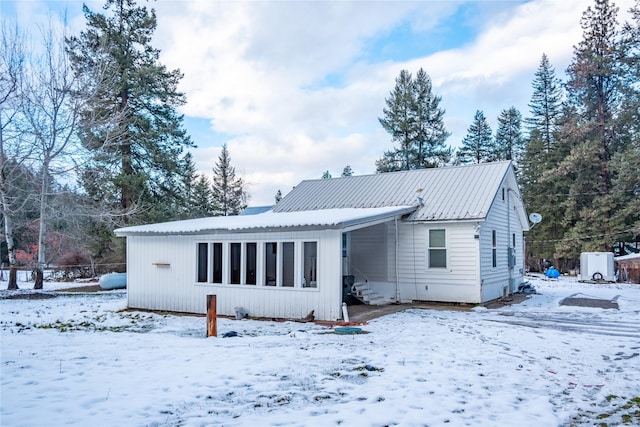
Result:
[[13, 151], [52, 111]]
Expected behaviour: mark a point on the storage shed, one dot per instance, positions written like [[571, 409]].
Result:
[[450, 234], [628, 268]]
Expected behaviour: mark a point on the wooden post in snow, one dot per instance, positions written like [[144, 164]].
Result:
[[212, 328]]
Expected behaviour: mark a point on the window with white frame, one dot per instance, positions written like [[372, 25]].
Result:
[[203, 266], [309, 263], [235, 263], [251, 264], [494, 248], [437, 248], [271, 263], [291, 264], [288, 264], [217, 263]]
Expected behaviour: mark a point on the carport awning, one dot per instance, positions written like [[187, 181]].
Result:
[[351, 218]]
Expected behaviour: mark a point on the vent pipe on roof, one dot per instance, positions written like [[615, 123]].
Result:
[[419, 197]]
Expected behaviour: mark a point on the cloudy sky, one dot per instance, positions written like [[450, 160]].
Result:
[[296, 87]]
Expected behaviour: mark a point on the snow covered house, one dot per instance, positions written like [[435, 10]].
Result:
[[451, 234]]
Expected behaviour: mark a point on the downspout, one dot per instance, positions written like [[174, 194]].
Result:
[[510, 263], [396, 260]]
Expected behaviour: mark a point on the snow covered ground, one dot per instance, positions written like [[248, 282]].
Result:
[[78, 360]]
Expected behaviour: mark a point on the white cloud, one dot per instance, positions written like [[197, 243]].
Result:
[[261, 85], [298, 89]]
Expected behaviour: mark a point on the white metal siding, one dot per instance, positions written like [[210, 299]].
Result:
[[173, 287], [458, 282], [495, 279]]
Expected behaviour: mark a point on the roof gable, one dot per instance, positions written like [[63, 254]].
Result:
[[450, 193]]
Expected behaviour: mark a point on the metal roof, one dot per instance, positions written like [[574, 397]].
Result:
[[317, 219], [449, 193]]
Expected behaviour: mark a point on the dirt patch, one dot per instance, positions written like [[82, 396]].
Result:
[[364, 313], [506, 301], [90, 288], [28, 295], [589, 302]]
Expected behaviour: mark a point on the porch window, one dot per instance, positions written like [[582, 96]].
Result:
[[217, 263], [310, 266], [235, 258], [251, 257], [270, 263], [203, 257], [437, 249], [494, 249], [288, 264], [345, 245]]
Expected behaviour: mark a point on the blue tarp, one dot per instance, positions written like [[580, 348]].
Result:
[[552, 273]]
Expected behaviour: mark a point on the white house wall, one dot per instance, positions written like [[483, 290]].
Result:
[[503, 218], [458, 282], [161, 275]]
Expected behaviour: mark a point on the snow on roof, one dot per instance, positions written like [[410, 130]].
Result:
[[325, 218]]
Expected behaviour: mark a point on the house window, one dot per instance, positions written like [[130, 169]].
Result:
[[251, 266], [235, 258], [494, 248], [287, 264], [217, 263], [288, 261], [345, 245], [203, 273], [310, 266], [437, 249], [270, 263]]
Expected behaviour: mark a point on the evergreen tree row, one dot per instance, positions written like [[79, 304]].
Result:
[[580, 168], [577, 159]]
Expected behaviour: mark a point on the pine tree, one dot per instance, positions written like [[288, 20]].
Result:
[[399, 120], [229, 195], [625, 163], [347, 171], [546, 104], [543, 192], [593, 90], [429, 149], [201, 200], [326, 174], [391, 161], [278, 196], [130, 123], [509, 142], [477, 146], [414, 120]]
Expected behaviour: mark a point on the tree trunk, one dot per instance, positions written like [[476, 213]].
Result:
[[11, 249], [13, 277], [39, 273], [39, 278]]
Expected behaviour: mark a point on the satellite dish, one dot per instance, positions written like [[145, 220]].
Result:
[[535, 217]]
